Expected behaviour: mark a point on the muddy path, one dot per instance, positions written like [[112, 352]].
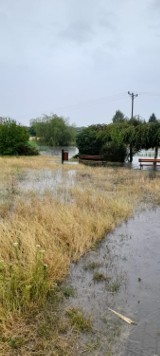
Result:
[[123, 273]]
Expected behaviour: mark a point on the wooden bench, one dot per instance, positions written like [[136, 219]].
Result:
[[91, 157], [149, 162]]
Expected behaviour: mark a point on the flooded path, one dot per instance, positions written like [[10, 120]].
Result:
[[123, 273]]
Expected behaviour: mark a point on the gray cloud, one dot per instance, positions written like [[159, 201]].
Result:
[[79, 32], [57, 53]]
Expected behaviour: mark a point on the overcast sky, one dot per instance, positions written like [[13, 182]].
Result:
[[79, 58]]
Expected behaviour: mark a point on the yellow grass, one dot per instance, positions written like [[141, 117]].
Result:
[[42, 232]]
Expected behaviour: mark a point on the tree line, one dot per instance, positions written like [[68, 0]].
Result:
[[49, 130], [115, 141], [123, 137]]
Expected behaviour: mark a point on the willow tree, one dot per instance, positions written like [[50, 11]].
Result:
[[148, 136], [54, 130]]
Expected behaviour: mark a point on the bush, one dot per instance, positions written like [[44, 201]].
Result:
[[14, 139], [114, 152], [27, 149], [87, 140]]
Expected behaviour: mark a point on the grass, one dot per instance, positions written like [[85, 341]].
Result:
[[42, 234], [68, 291], [99, 277], [115, 285], [91, 266], [78, 320]]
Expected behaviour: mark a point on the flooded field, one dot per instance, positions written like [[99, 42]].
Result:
[[122, 273], [51, 216], [47, 180]]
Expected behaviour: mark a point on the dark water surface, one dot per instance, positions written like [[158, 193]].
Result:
[[129, 259]]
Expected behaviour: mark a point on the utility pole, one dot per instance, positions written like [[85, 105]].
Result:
[[132, 95]]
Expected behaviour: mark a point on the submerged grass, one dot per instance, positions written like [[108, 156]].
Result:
[[41, 234], [78, 320]]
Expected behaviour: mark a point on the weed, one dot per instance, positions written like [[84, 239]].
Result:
[[78, 320], [115, 285], [15, 342], [68, 291], [99, 277], [91, 346], [91, 266]]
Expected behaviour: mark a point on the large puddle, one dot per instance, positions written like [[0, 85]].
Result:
[[123, 273], [47, 180]]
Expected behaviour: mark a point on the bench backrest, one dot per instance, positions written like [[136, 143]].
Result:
[[149, 160]]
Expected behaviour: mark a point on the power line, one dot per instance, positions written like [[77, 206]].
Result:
[[149, 93], [132, 95], [109, 98]]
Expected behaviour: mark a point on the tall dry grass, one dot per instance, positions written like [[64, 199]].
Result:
[[40, 234]]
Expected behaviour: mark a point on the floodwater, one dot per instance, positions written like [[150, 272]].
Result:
[[129, 260], [44, 180], [122, 272], [57, 151]]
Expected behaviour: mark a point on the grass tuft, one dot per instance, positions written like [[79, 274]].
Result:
[[78, 320], [99, 277]]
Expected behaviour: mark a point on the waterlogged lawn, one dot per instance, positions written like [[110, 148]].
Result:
[[50, 216]]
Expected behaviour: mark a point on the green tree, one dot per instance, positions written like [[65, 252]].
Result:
[[118, 117], [113, 147], [88, 141], [130, 137], [32, 131], [14, 139], [153, 118], [123, 133], [54, 130], [113, 140], [150, 136]]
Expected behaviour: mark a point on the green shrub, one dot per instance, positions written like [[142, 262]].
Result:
[[114, 152], [14, 139], [87, 140], [27, 149]]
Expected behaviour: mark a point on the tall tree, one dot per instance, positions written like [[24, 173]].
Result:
[[153, 118], [118, 117]]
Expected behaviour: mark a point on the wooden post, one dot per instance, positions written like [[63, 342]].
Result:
[[62, 156]]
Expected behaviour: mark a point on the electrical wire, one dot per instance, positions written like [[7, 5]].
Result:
[[109, 98]]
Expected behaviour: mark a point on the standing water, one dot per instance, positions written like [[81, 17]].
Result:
[[129, 261]]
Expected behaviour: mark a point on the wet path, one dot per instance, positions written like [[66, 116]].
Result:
[[123, 273]]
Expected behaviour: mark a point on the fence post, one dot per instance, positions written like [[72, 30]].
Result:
[[62, 156]]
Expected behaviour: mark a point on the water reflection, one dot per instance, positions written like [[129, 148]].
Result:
[[57, 151]]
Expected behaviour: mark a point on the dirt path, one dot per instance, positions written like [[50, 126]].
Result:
[[121, 273]]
